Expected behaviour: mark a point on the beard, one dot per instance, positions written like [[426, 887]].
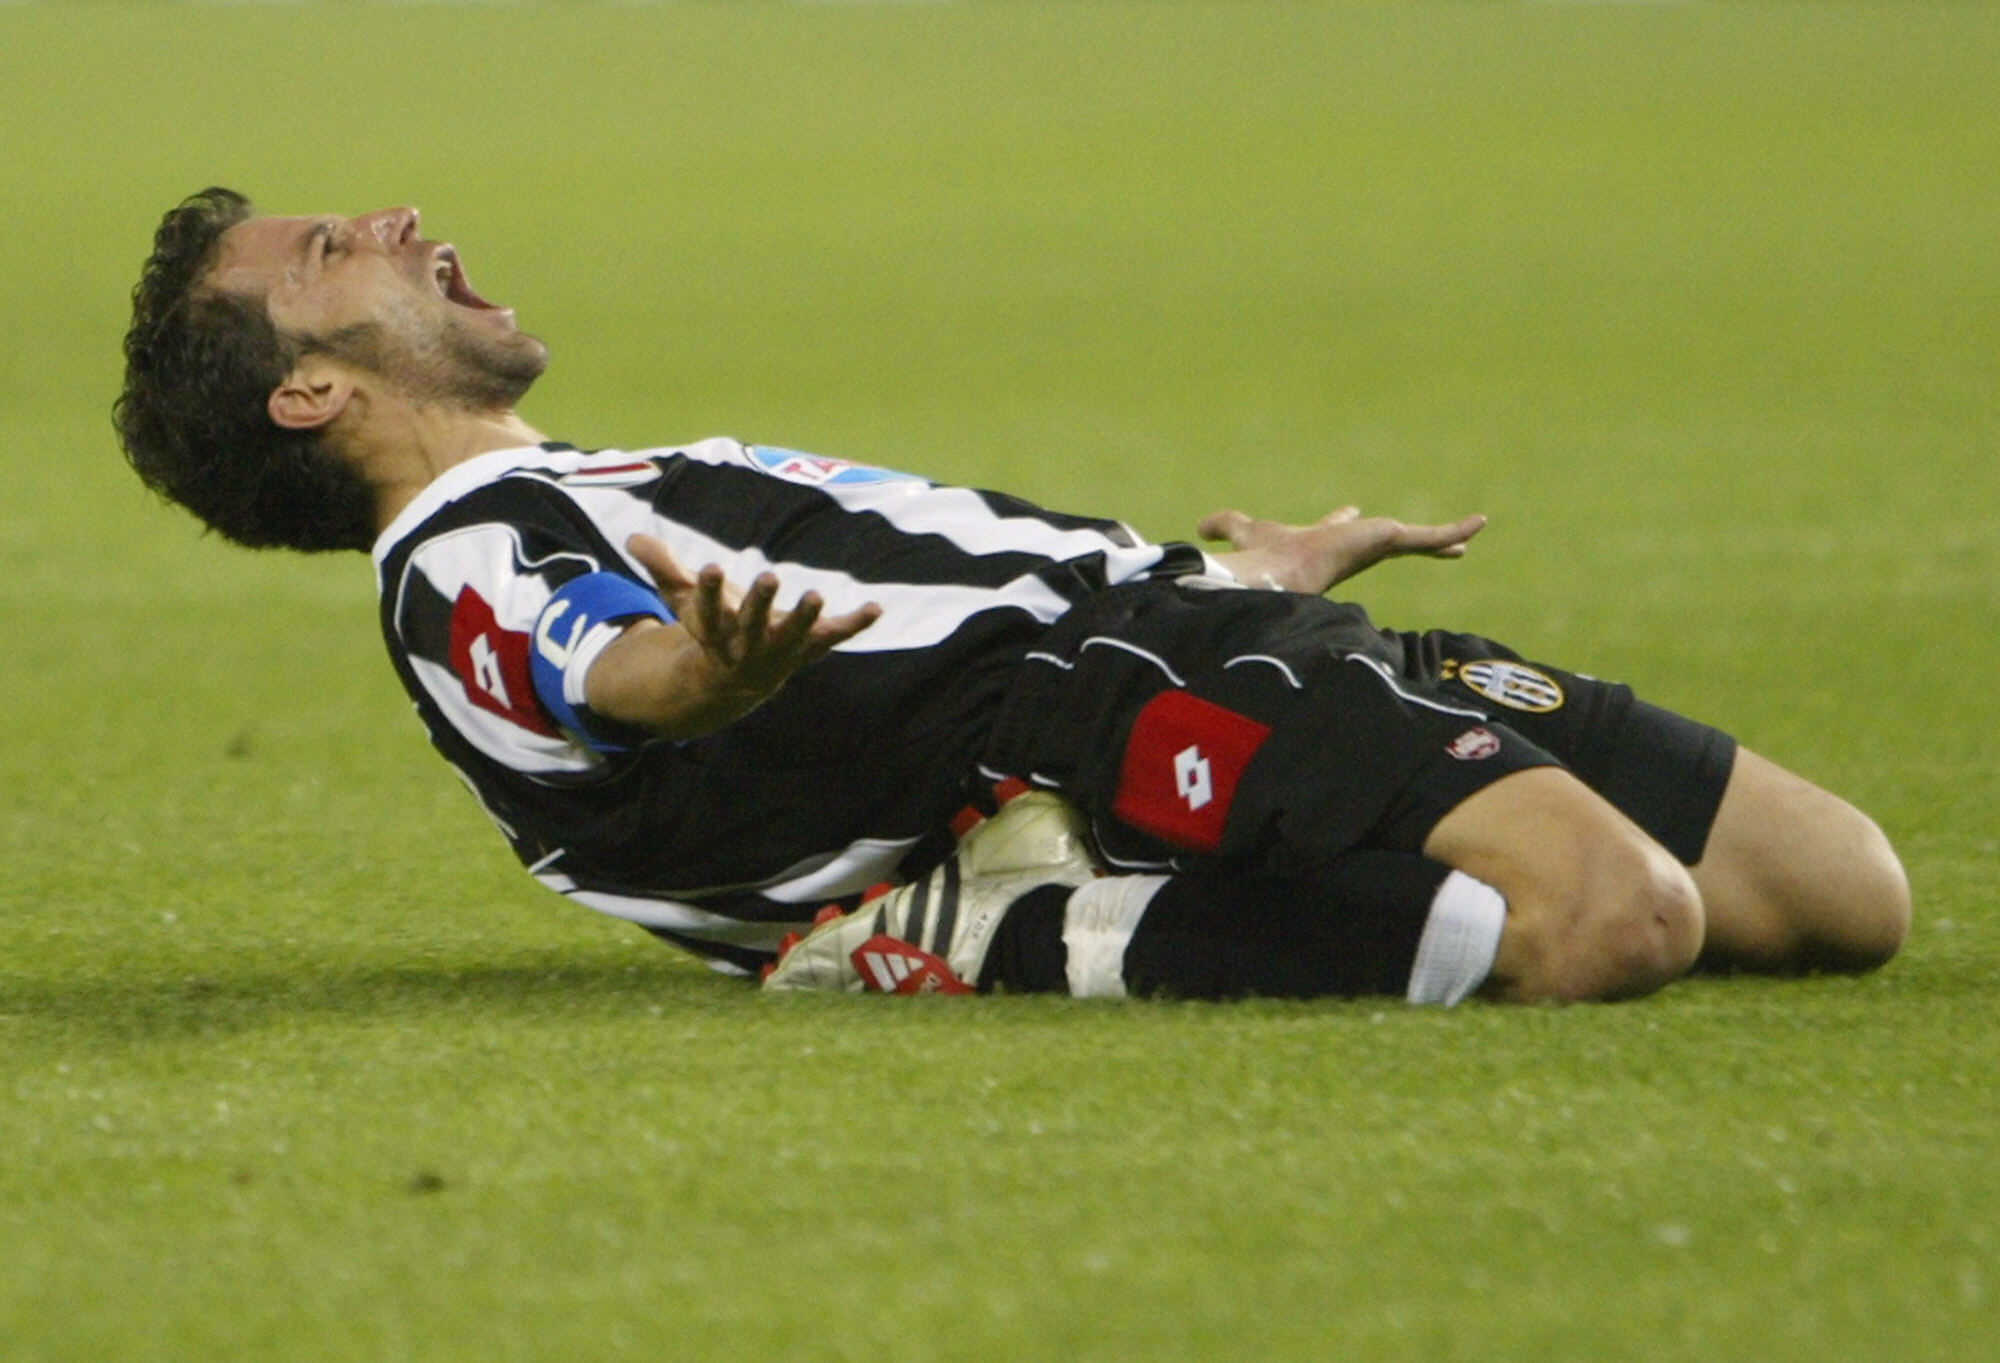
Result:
[[453, 365]]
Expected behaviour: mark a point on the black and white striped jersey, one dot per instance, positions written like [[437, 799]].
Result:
[[725, 843]]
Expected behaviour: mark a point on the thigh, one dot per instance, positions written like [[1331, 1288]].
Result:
[[1595, 908]]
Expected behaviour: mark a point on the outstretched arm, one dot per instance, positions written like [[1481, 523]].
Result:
[[728, 652], [1312, 558]]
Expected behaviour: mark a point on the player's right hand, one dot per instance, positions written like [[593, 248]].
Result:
[[753, 646]]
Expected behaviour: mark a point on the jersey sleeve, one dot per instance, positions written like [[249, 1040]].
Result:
[[472, 612]]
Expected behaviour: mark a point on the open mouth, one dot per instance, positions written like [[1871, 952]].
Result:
[[449, 276]]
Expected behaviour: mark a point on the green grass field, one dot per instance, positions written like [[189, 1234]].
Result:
[[1700, 302]]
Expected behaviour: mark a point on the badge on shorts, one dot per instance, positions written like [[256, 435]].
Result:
[[1474, 745], [1514, 685]]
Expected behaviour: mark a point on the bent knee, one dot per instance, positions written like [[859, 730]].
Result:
[[1648, 925], [1837, 902], [1867, 916], [1796, 878], [1630, 923]]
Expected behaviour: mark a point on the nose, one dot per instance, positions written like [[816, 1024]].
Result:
[[392, 227]]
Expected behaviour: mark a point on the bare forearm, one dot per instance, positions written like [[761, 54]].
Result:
[[1313, 558], [657, 678], [727, 652]]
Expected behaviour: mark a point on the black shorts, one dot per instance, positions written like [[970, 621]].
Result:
[[1201, 725]]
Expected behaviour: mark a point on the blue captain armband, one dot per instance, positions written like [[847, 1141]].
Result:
[[586, 614]]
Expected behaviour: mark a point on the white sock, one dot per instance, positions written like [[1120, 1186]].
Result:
[[1098, 923], [1460, 940]]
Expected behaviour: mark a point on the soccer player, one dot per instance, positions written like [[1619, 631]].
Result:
[[711, 688]]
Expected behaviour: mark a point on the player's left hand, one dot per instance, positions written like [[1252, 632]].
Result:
[[1313, 558]]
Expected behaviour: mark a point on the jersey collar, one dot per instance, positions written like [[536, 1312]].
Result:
[[449, 486]]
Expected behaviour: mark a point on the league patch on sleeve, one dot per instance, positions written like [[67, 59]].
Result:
[[1182, 765], [812, 470]]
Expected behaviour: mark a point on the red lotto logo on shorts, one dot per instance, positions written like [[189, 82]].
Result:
[[1181, 767]]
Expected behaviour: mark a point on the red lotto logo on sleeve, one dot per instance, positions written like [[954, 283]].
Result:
[[1181, 767], [492, 664]]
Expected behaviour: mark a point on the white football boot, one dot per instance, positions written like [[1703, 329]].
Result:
[[931, 937]]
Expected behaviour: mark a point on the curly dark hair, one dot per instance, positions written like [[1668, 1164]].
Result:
[[200, 365]]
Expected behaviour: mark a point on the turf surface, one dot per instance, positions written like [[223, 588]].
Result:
[[1699, 302]]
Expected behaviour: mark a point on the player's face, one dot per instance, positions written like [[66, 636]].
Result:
[[374, 292]]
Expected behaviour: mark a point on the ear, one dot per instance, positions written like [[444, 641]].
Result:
[[316, 392]]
